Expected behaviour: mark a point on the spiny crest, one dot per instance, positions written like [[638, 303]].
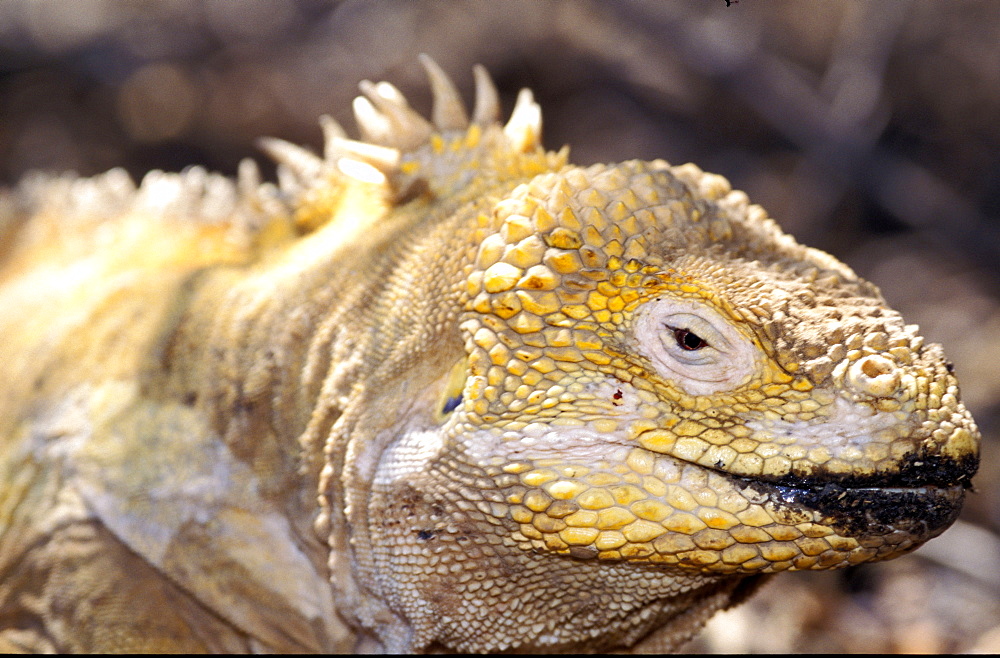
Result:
[[69, 208], [399, 153], [400, 150]]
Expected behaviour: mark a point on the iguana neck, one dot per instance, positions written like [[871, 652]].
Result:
[[303, 298]]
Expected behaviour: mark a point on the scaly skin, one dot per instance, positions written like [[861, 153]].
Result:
[[543, 406]]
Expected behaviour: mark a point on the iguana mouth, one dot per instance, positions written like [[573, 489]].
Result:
[[921, 498], [922, 512]]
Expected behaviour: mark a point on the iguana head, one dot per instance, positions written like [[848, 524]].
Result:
[[671, 379], [653, 394]]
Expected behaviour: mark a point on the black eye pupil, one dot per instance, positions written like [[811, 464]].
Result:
[[688, 340]]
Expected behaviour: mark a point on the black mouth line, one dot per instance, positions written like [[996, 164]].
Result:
[[858, 507], [865, 511]]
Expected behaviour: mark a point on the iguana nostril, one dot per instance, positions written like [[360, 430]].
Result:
[[874, 375]]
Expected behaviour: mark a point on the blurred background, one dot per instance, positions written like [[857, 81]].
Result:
[[867, 129]]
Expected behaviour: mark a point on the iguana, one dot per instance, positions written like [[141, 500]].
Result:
[[440, 389]]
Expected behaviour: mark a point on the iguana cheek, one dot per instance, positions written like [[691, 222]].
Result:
[[654, 509]]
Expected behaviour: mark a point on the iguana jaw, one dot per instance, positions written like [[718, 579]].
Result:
[[922, 498], [640, 506]]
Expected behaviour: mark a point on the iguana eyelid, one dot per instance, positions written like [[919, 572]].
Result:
[[716, 341], [726, 361]]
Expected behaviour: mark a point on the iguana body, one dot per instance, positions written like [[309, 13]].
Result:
[[441, 389]]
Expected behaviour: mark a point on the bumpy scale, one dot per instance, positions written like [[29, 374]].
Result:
[[543, 406]]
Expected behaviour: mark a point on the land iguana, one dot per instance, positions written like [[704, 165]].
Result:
[[440, 389]]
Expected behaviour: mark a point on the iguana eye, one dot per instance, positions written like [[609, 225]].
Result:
[[694, 346], [688, 340]]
